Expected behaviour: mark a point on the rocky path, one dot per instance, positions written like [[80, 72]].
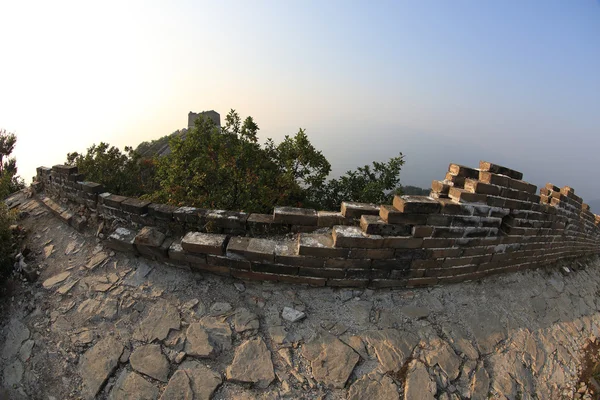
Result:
[[103, 325]]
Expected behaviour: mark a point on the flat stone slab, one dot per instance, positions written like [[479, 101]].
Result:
[[419, 385], [121, 240], [373, 386], [56, 279], [392, 347], [156, 325], [131, 385], [205, 243], [292, 315], [252, 363], [203, 380], [97, 364], [149, 360], [179, 387], [332, 361]]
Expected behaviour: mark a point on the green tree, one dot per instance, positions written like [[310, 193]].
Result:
[[9, 180], [123, 173], [9, 183], [218, 168], [376, 183]]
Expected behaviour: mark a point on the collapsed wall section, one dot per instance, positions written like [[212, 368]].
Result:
[[476, 222]]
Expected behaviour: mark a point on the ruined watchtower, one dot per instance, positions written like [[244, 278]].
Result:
[[212, 114]]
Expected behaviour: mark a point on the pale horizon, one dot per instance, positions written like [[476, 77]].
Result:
[[514, 83]]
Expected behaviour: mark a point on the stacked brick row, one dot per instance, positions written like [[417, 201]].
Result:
[[476, 222]]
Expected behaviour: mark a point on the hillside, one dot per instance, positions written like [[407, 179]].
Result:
[[159, 147]]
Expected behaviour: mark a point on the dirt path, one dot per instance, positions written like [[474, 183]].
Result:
[[113, 326]]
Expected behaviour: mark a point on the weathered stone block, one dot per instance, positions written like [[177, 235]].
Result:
[[461, 170], [91, 187], [122, 240], [65, 169], [475, 186], [162, 211], [352, 209], [287, 253], [225, 219], [416, 204], [461, 195], [498, 169], [207, 243], [295, 216], [391, 215], [319, 245], [442, 187], [330, 218], [188, 215], [135, 206], [253, 249], [374, 225], [352, 236]]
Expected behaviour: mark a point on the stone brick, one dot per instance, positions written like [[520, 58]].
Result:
[[461, 195], [437, 243], [225, 219], [274, 268], [373, 254], [439, 220], [254, 249], [319, 245], [416, 204], [122, 240], [475, 186], [418, 282], [397, 264], [287, 253], [330, 218], [391, 215], [402, 242], [448, 232], [522, 186], [498, 169], [461, 170], [188, 215], [451, 207], [457, 181], [135, 206], [161, 211], [374, 225], [207, 243], [422, 231], [65, 169], [352, 236], [387, 283], [344, 263], [322, 272], [112, 200], [230, 260], [442, 187], [253, 276], [91, 187], [352, 209], [295, 216]]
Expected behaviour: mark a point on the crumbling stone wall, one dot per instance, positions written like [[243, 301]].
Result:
[[476, 222]]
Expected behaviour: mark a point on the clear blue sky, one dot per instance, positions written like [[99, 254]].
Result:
[[513, 82]]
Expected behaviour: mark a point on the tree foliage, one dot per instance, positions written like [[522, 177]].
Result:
[[227, 168], [376, 183], [9, 180], [122, 173], [9, 183]]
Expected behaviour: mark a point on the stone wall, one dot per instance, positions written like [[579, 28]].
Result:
[[476, 222]]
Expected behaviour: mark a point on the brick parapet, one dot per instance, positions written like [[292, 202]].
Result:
[[475, 223]]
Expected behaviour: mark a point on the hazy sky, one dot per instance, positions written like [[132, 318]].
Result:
[[513, 82]]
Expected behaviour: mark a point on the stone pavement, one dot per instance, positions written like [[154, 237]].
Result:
[[103, 325]]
